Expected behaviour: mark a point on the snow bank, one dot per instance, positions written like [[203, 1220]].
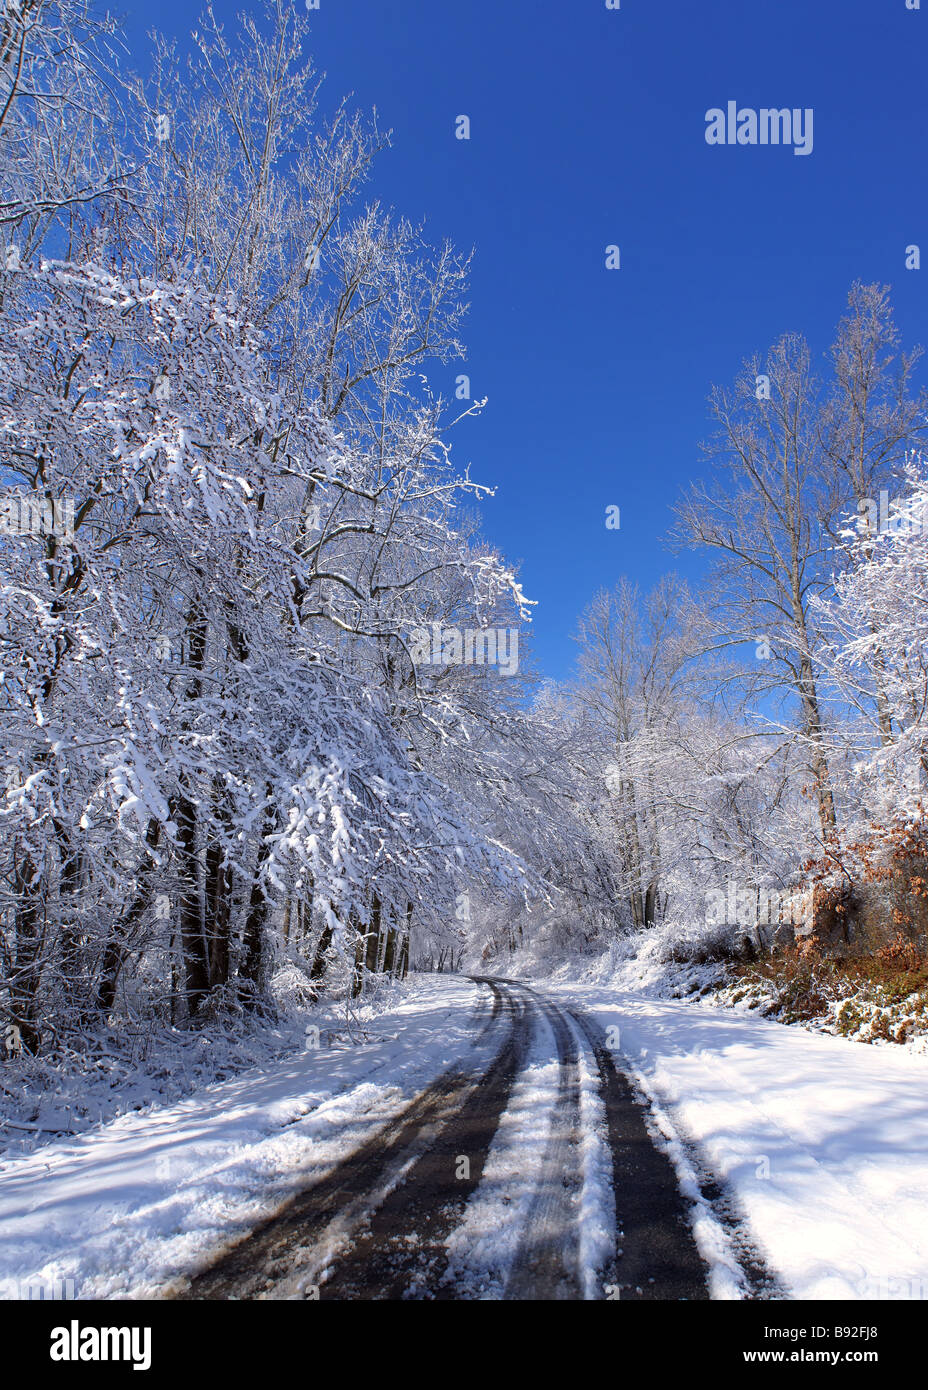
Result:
[[823, 1142]]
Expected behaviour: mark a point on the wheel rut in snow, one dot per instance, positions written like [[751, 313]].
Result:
[[660, 1258], [400, 1251], [309, 1239], [377, 1226]]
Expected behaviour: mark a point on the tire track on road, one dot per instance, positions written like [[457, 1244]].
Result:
[[377, 1226], [294, 1249], [659, 1257], [401, 1251]]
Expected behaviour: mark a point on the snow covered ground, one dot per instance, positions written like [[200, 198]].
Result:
[[821, 1142], [117, 1211], [851, 1008]]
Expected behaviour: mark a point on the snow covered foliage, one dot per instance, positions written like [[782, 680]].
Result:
[[880, 612], [221, 753], [760, 743], [180, 722], [267, 699]]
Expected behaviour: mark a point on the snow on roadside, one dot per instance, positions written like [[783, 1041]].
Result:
[[865, 1011], [823, 1143], [121, 1210], [726, 1277], [132, 1068]]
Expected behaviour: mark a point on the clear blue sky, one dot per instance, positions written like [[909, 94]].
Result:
[[588, 128]]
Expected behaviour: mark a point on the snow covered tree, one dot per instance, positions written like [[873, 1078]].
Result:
[[794, 453]]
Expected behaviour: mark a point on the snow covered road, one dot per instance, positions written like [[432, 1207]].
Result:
[[819, 1144], [492, 1183], [487, 1143]]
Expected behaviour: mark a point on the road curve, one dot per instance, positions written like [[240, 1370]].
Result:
[[377, 1226]]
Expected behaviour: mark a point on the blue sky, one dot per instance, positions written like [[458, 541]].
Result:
[[588, 129]]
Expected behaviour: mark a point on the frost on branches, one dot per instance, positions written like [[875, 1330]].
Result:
[[208, 705]]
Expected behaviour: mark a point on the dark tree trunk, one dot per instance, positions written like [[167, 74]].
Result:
[[70, 942], [372, 953], [253, 969], [357, 970], [389, 955], [193, 939], [114, 953], [27, 965], [218, 903], [317, 971], [404, 950]]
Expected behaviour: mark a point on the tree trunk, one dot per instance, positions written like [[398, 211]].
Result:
[[254, 966], [317, 970], [191, 909], [218, 902], [114, 953], [24, 987], [372, 953], [357, 971]]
